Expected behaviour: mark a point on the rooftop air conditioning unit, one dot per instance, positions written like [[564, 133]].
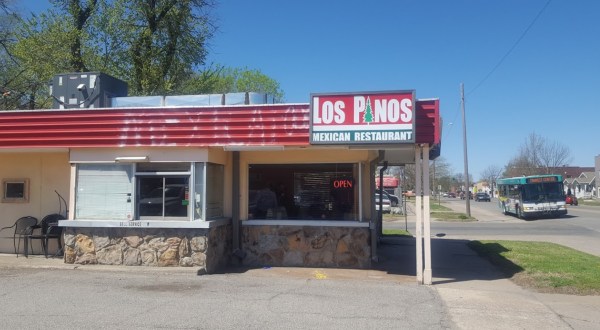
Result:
[[85, 90]]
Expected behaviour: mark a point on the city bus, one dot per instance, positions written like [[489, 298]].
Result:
[[532, 196]]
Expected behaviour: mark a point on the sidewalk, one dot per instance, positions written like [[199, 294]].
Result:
[[479, 297]]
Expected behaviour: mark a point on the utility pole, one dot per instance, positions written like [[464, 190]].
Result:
[[464, 120]]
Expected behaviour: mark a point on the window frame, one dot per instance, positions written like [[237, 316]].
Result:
[[25, 186], [196, 174]]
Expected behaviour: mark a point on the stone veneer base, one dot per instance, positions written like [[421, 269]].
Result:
[[207, 248], [306, 246]]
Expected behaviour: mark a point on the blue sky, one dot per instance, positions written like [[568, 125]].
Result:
[[548, 84]]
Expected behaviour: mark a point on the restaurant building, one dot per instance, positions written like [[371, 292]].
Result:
[[218, 184]]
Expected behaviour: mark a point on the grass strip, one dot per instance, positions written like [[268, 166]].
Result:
[[396, 232], [439, 208], [443, 213], [589, 202], [452, 216], [544, 267]]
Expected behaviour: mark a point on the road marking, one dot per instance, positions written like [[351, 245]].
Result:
[[319, 275]]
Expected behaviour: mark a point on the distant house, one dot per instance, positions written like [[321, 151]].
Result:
[[570, 172], [584, 186], [483, 186], [579, 180], [597, 172]]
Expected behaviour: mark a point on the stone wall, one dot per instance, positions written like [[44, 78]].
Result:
[[207, 248], [344, 247]]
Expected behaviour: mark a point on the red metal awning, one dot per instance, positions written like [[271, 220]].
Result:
[[248, 125]]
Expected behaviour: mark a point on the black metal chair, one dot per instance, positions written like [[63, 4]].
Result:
[[48, 229], [23, 228]]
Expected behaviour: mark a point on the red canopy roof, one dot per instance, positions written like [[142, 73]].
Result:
[[252, 125]]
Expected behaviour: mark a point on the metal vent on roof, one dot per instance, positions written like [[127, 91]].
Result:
[[244, 98]]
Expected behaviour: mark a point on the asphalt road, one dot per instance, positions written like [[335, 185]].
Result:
[[142, 298], [579, 229]]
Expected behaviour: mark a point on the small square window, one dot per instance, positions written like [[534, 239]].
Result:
[[15, 190]]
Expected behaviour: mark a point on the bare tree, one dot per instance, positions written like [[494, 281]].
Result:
[[554, 155], [537, 155], [532, 148], [4, 5], [490, 174], [518, 166], [439, 175]]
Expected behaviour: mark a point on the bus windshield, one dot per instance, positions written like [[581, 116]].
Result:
[[542, 192]]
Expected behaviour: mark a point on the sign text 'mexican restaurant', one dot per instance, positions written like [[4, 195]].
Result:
[[362, 118]]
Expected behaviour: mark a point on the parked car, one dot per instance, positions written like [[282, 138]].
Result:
[[482, 197], [173, 197], [386, 206], [394, 200], [451, 195], [571, 200], [462, 195]]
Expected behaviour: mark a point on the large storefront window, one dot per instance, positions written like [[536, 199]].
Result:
[[303, 191], [149, 191], [163, 190]]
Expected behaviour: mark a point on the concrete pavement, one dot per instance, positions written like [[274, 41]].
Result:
[[477, 296], [474, 293]]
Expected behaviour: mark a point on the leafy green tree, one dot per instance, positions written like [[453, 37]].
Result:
[[37, 54], [43, 46], [203, 82], [40, 47], [157, 46], [166, 40], [9, 71], [246, 80], [79, 15], [219, 79]]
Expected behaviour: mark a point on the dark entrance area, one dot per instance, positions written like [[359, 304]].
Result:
[[303, 191]]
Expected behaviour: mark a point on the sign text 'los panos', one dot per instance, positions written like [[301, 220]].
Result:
[[366, 118]]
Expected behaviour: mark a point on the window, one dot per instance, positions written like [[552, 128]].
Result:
[[215, 176], [303, 191], [15, 190], [149, 191], [163, 190], [104, 191], [514, 191]]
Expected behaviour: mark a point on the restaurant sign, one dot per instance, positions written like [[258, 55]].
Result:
[[363, 118]]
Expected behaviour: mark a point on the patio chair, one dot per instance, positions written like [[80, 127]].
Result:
[[23, 228], [48, 229]]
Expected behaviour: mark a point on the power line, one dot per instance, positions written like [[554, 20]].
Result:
[[511, 48]]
